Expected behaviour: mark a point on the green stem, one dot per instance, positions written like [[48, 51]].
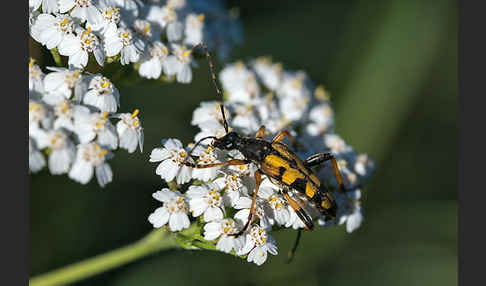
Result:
[[155, 241], [57, 57]]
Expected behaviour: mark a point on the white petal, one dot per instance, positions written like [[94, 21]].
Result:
[[79, 59], [81, 171], [65, 5], [258, 255], [158, 154], [167, 170], [225, 243], [104, 175], [59, 161], [164, 195], [212, 214], [159, 217], [249, 244], [69, 46], [185, 74], [197, 206], [151, 69]]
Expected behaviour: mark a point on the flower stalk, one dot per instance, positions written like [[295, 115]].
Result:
[[155, 241], [56, 57]]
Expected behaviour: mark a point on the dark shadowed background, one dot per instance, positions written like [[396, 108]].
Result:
[[391, 69]]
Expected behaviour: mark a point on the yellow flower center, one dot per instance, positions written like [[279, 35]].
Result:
[[135, 113]]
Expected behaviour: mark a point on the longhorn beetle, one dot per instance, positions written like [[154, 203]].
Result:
[[275, 160]]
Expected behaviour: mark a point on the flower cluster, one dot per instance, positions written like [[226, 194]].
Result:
[[70, 117], [258, 93], [155, 36]]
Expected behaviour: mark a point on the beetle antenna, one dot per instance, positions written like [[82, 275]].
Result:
[[213, 77], [199, 142]]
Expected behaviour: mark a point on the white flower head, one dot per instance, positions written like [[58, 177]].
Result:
[[89, 126], [90, 158], [62, 151], [233, 186], [223, 230], [52, 30], [193, 32], [151, 65], [269, 73], [65, 112], [240, 83], [102, 94], [77, 48], [171, 156], [62, 83], [206, 200], [110, 17], [261, 211], [207, 155], [179, 64], [277, 203], [336, 144], [173, 211], [162, 15], [121, 40], [322, 119], [130, 131], [209, 111], [245, 118], [84, 10], [258, 243]]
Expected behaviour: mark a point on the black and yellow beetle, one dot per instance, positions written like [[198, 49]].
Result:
[[280, 164]]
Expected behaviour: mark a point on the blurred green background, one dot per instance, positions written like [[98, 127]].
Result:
[[391, 69]]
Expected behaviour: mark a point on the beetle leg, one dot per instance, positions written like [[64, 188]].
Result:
[[304, 217], [233, 162], [258, 180], [281, 136], [291, 254], [261, 132], [323, 157]]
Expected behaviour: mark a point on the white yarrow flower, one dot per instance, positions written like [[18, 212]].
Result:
[[121, 41], [193, 32], [179, 64], [171, 157], [90, 158], [223, 229], [77, 48], [206, 200], [84, 10], [52, 30], [62, 151], [258, 243], [102, 94], [130, 131], [89, 126], [151, 65], [173, 211]]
